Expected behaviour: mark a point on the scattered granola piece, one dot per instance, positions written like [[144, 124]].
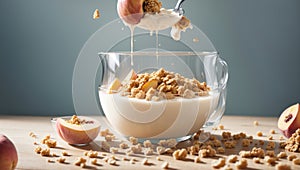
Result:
[[114, 150], [226, 135], [221, 127], [259, 133], [245, 154], [272, 131], [282, 155], [243, 135], [242, 164], [136, 149], [270, 153], [112, 162], [255, 123], [292, 157], [96, 14], [65, 153], [257, 152], [232, 158], [91, 154], [50, 161], [165, 165], [270, 145], [47, 137], [31, 134], [132, 161], [169, 143], [257, 160], [180, 154], [95, 162], [220, 150], [50, 143], [270, 160], [105, 159], [216, 143], [160, 150], [292, 144], [38, 150], [296, 161], [133, 140], [125, 159], [113, 157], [261, 142], [109, 138], [80, 161], [147, 144], [219, 163], [282, 166], [207, 152], [281, 138], [105, 133], [148, 151], [123, 145], [236, 136], [145, 161], [45, 152], [158, 158], [83, 165], [229, 144], [270, 137], [197, 159], [245, 142], [61, 160], [169, 151]]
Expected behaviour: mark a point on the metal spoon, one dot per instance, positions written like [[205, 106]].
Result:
[[178, 7]]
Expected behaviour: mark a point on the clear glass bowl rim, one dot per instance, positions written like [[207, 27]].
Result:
[[162, 53]]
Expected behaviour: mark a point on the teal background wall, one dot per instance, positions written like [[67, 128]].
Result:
[[40, 41]]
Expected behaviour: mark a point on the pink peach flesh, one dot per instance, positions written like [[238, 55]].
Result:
[[78, 134], [289, 120]]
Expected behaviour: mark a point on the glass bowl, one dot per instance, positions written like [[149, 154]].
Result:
[[172, 115], [76, 134]]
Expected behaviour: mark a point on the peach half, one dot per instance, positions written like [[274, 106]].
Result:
[[78, 133], [130, 11], [289, 120], [8, 154]]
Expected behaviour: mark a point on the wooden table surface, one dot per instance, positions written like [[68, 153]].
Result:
[[17, 128]]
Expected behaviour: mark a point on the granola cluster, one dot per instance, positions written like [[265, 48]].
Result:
[[77, 121], [162, 84], [293, 143], [152, 6]]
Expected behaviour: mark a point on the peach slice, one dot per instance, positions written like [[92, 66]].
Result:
[[289, 120], [150, 84], [78, 133], [8, 154], [115, 85], [130, 76]]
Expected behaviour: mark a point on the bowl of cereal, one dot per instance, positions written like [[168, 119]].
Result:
[[162, 94]]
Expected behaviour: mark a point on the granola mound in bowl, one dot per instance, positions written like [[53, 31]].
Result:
[[161, 95]]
